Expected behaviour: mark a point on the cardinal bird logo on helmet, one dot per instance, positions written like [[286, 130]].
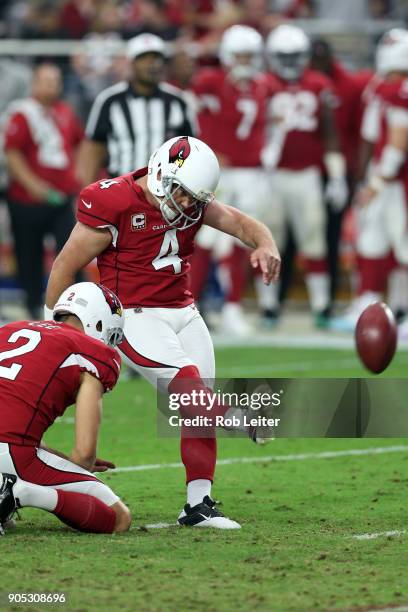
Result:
[[179, 151], [112, 300]]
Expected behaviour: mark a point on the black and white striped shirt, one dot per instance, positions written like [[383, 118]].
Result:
[[133, 126]]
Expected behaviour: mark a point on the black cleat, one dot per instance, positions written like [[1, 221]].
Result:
[[205, 514], [8, 504]]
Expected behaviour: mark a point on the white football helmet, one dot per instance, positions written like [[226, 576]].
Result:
[[392, 52], [98, 309], [239, 41], [288, 51], [188, 163]]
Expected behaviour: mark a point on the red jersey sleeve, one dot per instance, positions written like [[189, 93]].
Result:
[[206, 87], [100, 205], [17, 133], [99, 360]]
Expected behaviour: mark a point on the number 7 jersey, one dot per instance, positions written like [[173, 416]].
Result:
[[232, 117], [147, 261]]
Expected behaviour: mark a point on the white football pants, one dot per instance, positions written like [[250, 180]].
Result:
[[160, 341]]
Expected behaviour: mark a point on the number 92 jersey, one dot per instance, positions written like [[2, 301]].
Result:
[[294, 112], [40, 367], [147, 262]]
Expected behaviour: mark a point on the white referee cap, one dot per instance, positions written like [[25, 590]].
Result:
[[145, 43]]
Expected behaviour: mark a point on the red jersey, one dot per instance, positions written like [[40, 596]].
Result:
[[147, 262], [41, 364], [232, 119], [393, 97], [47, 138], [347, 111], [295, 114]]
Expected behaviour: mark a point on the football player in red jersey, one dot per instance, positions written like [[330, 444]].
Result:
[[302, 141], [45, 367], [141, 227], [232, 119], [381, 203]]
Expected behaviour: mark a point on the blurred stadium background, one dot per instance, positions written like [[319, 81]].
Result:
[[87, 40]]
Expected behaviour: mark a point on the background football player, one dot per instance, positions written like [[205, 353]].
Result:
[[46, 367], [302, 141], [381, 202], [141, 228], [232, 120]]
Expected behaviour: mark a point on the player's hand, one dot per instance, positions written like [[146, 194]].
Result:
[[337, 193], [269, 262], [101, 465]]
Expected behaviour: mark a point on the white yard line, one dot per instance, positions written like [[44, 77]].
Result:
[[161, 525], [398, 609], [352, 452], [374, 536]]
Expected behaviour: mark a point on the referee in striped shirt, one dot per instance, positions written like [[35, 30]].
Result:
[[131, 119]]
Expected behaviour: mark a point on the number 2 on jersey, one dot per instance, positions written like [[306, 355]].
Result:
[[168, 254], [34, 339]]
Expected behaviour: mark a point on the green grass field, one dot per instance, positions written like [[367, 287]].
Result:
[[295, 550]]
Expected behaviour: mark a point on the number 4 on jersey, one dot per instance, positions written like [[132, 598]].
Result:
[[106, 183], [168, 254]]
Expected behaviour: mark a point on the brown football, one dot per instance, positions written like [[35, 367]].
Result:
[[376, 337]]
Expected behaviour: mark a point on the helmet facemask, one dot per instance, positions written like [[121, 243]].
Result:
[[114, 336], [175, 215], [289, 66], [245, 66]]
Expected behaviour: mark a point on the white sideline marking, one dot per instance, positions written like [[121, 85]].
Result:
[[353, 452], [300, 366], [307, 340], [374, 536], [328, 340]]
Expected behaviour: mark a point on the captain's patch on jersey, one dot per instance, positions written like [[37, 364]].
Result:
[[138, 222]]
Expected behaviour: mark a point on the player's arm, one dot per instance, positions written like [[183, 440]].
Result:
[[88, 415], [84, 244], [392, 156], [334, 161], [369, 134], [254, 234], [90, 159]]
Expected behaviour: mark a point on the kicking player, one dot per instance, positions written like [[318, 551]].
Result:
[[141, 227], [45, 367]]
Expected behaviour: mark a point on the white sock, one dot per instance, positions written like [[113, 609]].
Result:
[[398, 289], [267, 295], [318, 287], [197, 490], [35, 496]]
